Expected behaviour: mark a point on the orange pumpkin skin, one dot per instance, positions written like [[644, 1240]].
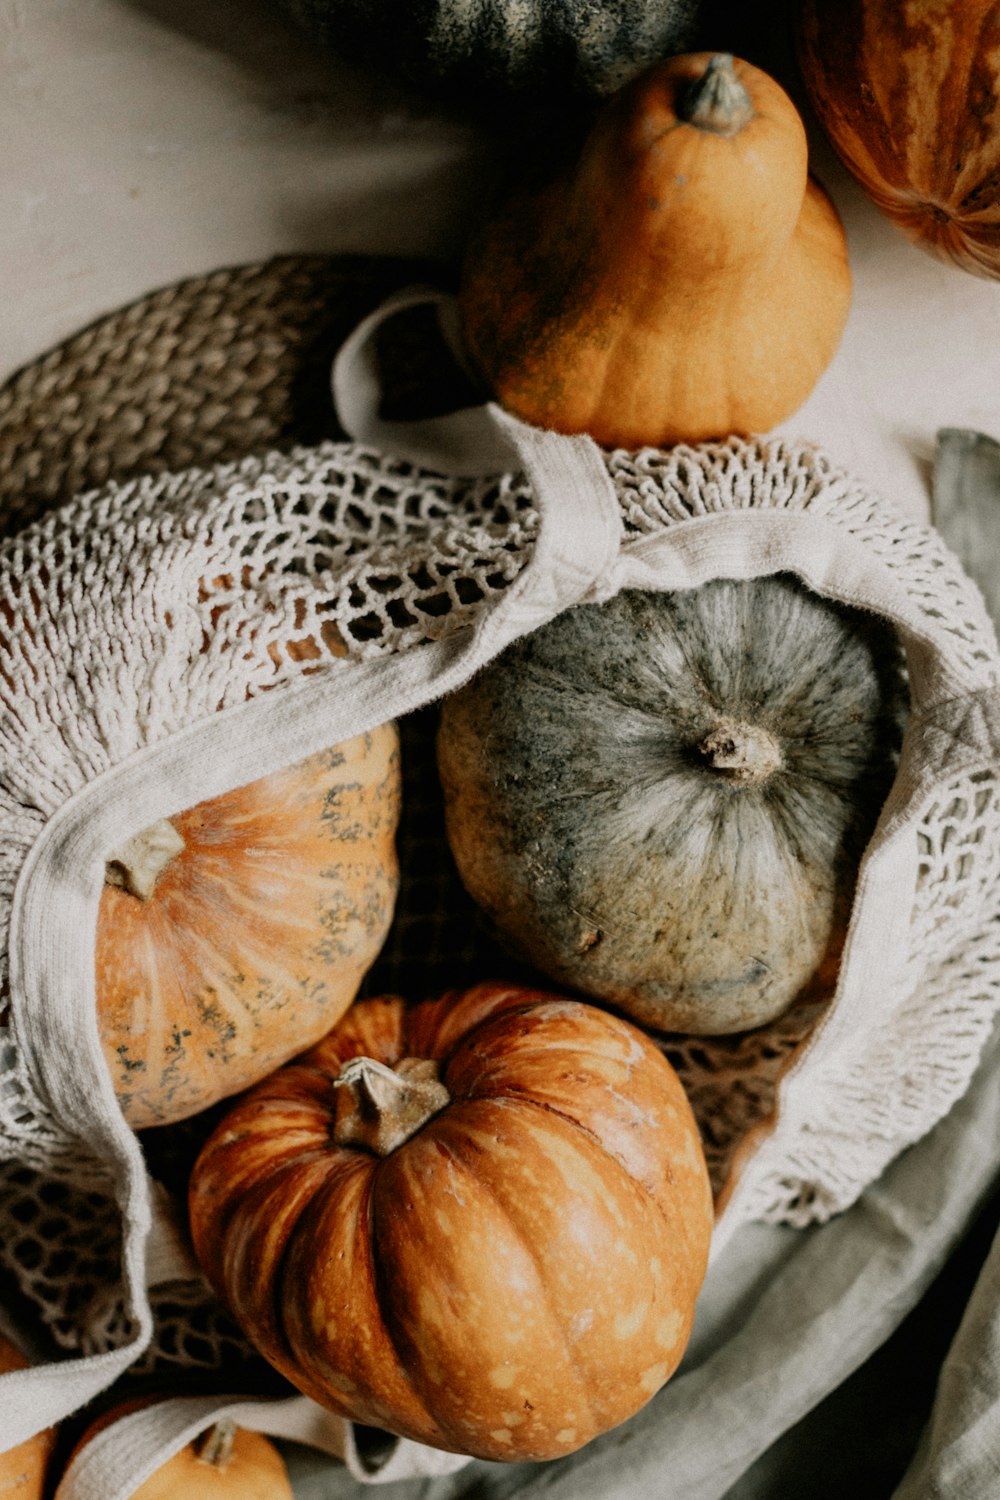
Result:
[[517, 1276], [256, 934], [256, 1471], [676, 284], [23, 1469], [909, 95]]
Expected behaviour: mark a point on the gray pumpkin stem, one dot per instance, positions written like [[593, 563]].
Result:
[[215, 1447], [380, 1107], [138, 864], [746, 754], [717, 101]]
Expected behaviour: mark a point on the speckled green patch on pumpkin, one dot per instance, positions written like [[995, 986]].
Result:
[[611, 848]]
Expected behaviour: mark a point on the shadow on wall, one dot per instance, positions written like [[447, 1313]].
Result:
[[253, 33], [376, 129], [262, 36], [260, 40]]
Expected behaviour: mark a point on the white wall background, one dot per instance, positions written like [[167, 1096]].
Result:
[[148, 140]]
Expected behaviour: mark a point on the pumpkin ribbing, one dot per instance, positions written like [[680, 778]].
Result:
[[515, 1276], [233, 935], [909, 95]]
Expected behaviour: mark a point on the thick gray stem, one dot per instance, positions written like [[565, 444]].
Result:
[[743, 753], [716, 101]]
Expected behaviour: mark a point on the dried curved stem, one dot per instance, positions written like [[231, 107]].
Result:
[[138, 864], [379, 1107]]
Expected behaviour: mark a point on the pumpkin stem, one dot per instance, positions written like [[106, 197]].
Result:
[[745, 754], [139, 863], [716, 101], [215, 1447], [380, 1107]]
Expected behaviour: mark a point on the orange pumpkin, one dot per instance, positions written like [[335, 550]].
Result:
[[910, 97], [235, 934], [481, 1222], [226, 1461], [23, 1469], [683, 280]]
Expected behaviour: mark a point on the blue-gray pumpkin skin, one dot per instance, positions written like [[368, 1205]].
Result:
[[594, 814]]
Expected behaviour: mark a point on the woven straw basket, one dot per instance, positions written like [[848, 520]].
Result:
[[180, 463]]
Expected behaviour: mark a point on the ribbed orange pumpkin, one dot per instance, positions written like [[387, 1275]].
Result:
[[684, 279], [909, 94], [481, 1222], [23, 1469], [234, 935]]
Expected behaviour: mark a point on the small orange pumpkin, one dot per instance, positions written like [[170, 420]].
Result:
[[226, 1461], [23, 1469], [234, 935], [683, 280], [481, 1222], [910, 98]]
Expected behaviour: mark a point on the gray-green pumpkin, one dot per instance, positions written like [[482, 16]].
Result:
[[465, 49], [662, 801]]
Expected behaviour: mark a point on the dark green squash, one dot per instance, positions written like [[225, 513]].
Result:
[[535, 49], [662, 801]]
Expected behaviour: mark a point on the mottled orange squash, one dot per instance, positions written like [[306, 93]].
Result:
[[234, 935], [481, 1221]]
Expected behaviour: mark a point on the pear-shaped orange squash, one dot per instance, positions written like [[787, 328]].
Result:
[[684, 279]]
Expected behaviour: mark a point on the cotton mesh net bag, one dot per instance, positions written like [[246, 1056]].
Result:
[[177, 634]]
